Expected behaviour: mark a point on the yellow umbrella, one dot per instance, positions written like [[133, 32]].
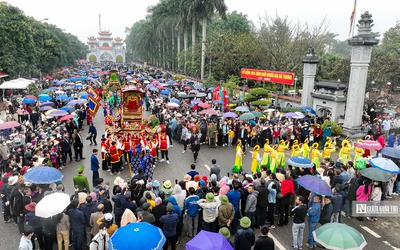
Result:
[[49, 111]]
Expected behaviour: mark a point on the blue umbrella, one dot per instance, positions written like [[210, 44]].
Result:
[[79, 85], [164, 92], [45, 108], [175, 101], [44, 98], [385, 164], [154, 89], [52, 88], [171, 82], [190, 83], [315, 184], [60, 82], [391, 152], [43, 175], [84, 96], [61, 97], [28, 101], [198, 87], [149, 86], [309, 110], [211, 88], [68, 109], [300, 162], [218, 101], [137, 235], [242, 109]]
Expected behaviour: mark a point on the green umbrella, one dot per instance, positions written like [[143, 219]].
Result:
[[339, 236], [257, 114], [247, 116], [389, 111], [46, 91], [375, 174]]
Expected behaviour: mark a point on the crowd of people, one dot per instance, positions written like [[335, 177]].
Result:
[[233, 205]]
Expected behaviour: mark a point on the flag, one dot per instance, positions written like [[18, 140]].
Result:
[[91, 92], [93, 105], [352, 17]]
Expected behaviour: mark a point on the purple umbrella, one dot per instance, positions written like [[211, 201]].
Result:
[[79, 101], [208, 241], [314, 184], [47, 104], [290, 114], [45, 108], [56, 113], [229, 114], [149, 86], [196, 101]]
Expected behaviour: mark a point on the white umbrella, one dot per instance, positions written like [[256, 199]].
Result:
[[52, 204], [59, 92]]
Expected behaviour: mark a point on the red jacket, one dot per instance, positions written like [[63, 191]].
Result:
[[287, 187]]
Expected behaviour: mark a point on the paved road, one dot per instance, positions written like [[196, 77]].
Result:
[[379, 235]]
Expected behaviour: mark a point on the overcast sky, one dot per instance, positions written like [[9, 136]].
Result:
[[80, 18]]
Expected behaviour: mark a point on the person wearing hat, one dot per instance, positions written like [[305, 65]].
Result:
[[210, 213], [167, 189], [169, 224], [244, 237], [225, 232], [226, 212], [107, 219], [147, 164], [33, 221], [81, 181]]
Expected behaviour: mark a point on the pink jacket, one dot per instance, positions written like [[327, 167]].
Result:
[[361, 196], [223, 188]]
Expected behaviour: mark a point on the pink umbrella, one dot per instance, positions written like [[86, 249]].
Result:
[[187, 88], [176, 84], [164, 85], [368, 144], [208, 112], [65, 118], [155, 82], [172, 105], [160, 87], [8, 125], [194, 91], [204, 105]]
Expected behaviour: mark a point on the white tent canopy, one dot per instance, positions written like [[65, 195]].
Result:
[[20, 83]]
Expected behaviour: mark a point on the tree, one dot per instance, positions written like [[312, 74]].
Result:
[[231, 85], [205, 10], [256, 95]]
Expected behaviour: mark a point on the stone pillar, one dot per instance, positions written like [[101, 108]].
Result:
[[360, 58], [309, 72]]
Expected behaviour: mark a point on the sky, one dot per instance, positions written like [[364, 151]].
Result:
[[81, 18]]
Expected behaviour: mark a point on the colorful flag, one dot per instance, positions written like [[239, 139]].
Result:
[[93, 105], [91, 92], [352, 17]]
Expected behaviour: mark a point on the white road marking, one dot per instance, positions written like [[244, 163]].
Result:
[[370, 231], [207, 167], [278, 245], [393, 247]]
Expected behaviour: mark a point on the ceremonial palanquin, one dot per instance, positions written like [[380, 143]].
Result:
[[124, 106]]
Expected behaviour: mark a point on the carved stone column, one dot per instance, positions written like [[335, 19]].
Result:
[[360, 58], [309, 72]]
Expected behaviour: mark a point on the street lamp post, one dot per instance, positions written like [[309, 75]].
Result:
[[295, 83]]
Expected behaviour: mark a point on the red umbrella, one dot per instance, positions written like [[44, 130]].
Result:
[[368, 144], [208, 112], [160, 87], [8, 125], [204, 105], [65, 118], [31, 97], [176, 84]]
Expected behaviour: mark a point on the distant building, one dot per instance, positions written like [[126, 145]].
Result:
[[105, 48]]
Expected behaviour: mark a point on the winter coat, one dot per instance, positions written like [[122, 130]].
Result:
[[251, 202]]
